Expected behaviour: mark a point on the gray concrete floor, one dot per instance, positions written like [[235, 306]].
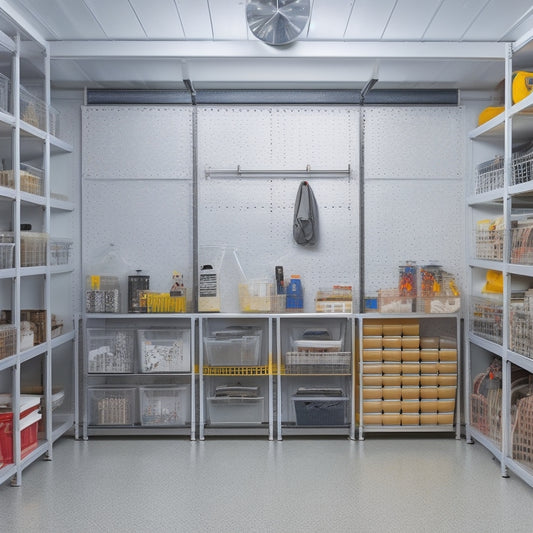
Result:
[[393, 484]]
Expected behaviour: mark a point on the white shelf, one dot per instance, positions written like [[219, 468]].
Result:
[[63, 339], [490, 346], [6, 192], [492, 128], [7, 472], [486, 264], [61, 424], [7, 273], [520, 360], [32, 199], [61, 205], [61, 269], [522, 471], [520, 270], [429, 428], [486, 198], [487, 443], [8, 362], [33, 352], [33, 271]]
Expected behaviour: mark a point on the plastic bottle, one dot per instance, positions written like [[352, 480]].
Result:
[[295, 296]]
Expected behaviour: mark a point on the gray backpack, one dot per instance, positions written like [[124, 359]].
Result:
[[305, 224]]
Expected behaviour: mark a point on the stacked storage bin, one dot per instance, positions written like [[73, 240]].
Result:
[[407, 379]]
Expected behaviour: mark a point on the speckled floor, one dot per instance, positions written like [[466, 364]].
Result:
[[253, 485]]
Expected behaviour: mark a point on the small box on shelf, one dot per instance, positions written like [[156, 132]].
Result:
[[6, 255], [234, 346], [112, 406], [110, 350]]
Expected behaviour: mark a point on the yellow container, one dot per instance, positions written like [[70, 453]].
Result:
[[392, 380], [429, 393], [429, 368], [431, 343], [429, 380], [372, 355], [392, 393], [410, 406], [448, 355], [411, 329], [372, 406], [372, 419], [429, 406], [392, 329], [371, 343], [447, 380], [410, 368], [392, 342], [411, 343], [372, 330], [427, 419], [446, 393], [392, 406], [410, 393], [372, 393], [391, 419], [445, 418], [447, 368], [372, 380], [372, 368], [446, 406], [392, 368], [410, 419], [429, 354], [411, 355], [410, 380], [392, 355]]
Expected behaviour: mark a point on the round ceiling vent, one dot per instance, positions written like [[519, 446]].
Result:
[[277, 22]]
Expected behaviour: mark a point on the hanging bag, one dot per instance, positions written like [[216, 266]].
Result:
[[305, 223]]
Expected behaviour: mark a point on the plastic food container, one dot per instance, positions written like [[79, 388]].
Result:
[[410, 393], [429, 380], [112, 406], [410, 406], [446, 393], [445, 406], [391, 419], [164, 406], [392, 368], [373, 419], [429, 367], [411, 343], [392, 380], [164, 350], [428, 419], [410, 380], [392, 329], [392, 393], [411, 329], [370, 343], [411, 355], [429, 393], [235, 411], [372, 380], [392, 342], [370, 330], [445, 418], [428, 355], [372, 393], [447, 368], [392, 355], [392, 406], [410, 419], [371, 406], [372, 368], [410, 368], [372, 356], [448, 355], [447, 380]]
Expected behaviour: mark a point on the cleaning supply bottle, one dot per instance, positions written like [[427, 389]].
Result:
[[295, 296]]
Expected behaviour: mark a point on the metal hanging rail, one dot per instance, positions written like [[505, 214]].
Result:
[[240, 173]]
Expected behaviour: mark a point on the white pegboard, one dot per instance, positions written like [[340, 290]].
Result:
[[412, 220], [255, 214], [414, 143], [137, 142], [136, 196]]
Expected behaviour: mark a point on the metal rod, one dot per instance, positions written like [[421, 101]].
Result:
[[239, 172]]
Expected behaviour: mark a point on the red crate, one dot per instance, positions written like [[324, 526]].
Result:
[[28, 435]]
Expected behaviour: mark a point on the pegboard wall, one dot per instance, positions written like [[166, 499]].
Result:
[[137, 198], [414, 189], [255, 215]]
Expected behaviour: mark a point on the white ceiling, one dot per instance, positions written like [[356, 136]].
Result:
[[158, 43]]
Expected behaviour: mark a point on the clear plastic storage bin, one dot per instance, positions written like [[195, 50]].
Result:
[[110, 350], [237, 351], [32, 109], [4, 93], [164, 350], [235, 411], [6, 255], [8, 340], [164, 406], [112, 406], [60, 251], [33, 248], [320, 411]]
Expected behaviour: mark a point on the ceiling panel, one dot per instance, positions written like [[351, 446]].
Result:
[[195, 18], [229, 19], [64, 19], [159, 18], [497, 19], [117, 19], [452, 19], [369, 19], [329, 19], [410, 19]]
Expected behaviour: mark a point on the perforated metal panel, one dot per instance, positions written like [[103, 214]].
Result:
[[414, 142], [414, 191], [255, 214], [149, 220], [137, 142]]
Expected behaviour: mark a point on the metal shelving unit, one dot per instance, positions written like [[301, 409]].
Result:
[[30, 287], [137, 376], [503, 134]]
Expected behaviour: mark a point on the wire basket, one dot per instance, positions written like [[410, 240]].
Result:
[[489, 243], [318, 362], [486, 318], [521, 167], [522, 431], [521, 332], [522, 244], [489, 175]]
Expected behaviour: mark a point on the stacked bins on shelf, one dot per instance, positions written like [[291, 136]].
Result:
[[407, 380]]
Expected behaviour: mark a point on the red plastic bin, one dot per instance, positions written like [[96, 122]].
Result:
[[29, 423]]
